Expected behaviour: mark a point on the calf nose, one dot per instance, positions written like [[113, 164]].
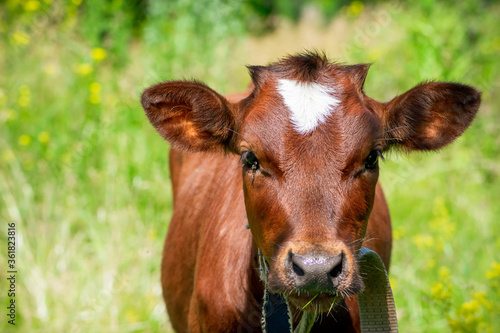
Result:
[[315, 273]]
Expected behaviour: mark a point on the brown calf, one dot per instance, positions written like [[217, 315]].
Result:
[[296, 160]]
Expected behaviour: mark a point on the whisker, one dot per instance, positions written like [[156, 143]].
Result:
[[396, 128], [234, 131]]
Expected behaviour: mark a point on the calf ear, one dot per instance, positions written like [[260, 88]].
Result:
[[189, 115], [430, 116]]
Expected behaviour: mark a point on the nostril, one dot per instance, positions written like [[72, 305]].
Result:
[[338, 266], [336, 271], [299, 271]]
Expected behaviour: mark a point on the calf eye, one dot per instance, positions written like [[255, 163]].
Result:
[[250, 160], [371, 161]]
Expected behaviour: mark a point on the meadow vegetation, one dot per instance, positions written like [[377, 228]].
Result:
[[84, 176]]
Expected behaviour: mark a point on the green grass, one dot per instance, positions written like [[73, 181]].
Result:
[[84, 176]]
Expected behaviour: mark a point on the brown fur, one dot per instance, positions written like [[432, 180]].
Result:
[[310, 195]]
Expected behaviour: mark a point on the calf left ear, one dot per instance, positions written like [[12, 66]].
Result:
[[430, 116], [189, 115]]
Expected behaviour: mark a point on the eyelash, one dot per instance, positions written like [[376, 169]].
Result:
[[372, 165], [249, 160]]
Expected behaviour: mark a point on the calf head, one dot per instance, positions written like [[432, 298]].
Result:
[[309, 141]]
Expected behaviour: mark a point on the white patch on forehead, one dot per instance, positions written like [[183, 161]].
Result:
[[309, 103]]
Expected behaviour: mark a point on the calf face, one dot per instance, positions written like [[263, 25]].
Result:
[[309, 142]]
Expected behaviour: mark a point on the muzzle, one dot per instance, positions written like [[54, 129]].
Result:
[[376, 304]]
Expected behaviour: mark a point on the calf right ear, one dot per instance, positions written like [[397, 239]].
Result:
[[190, 115]]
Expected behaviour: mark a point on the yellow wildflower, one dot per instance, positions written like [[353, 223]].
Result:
[[375, 54], [393, 283], [480, 297], [24, 95], [21, 38], [84, 69], [152, 234], [396, 235], [355, 8], [441, 220], [31, 5], [95, 99], [99, 54], [423, 241], [494, 272], [44, 137], [95, 88], [24, 90], [95, 93], [444, 272], [131, 316], [439, 245], [24, 140], [471, 306], [399, 233], [440, 292], [23, 101]]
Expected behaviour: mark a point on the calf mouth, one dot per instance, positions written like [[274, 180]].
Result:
[[321, 302], [318, 300], [314, 302]]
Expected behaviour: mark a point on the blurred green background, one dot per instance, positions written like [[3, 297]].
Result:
[[84, 175]]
